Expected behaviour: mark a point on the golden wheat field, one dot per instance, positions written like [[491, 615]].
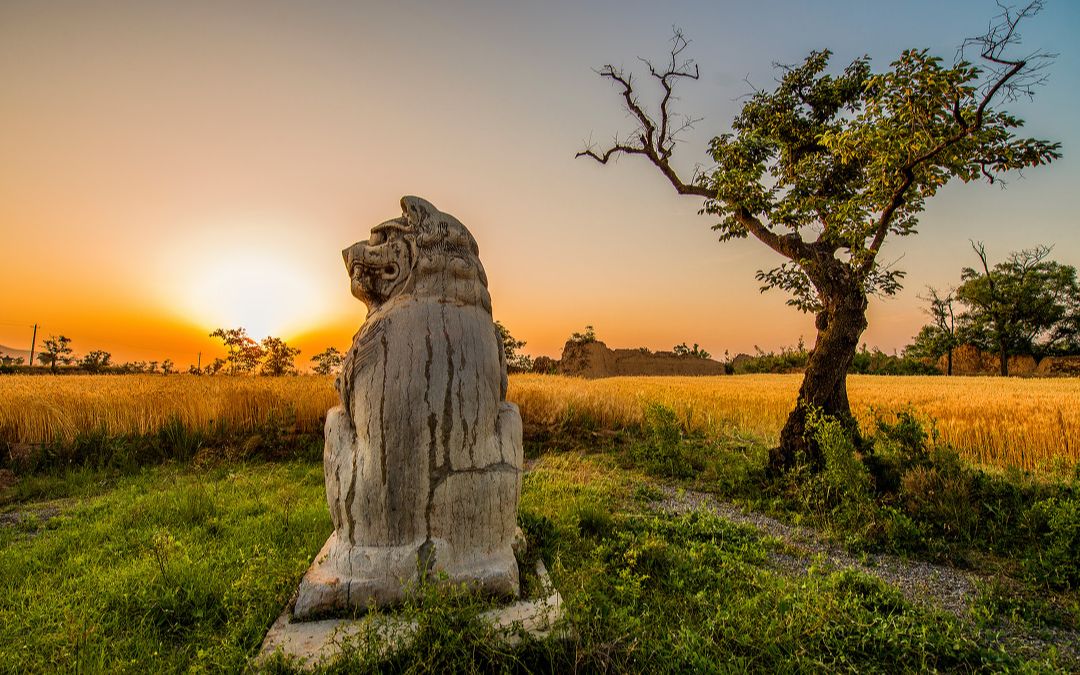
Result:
[[1028, 423]]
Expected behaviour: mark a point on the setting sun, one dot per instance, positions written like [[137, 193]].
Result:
[[263, 291]]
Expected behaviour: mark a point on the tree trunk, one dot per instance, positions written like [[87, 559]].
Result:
[[824, 385], [948, 370], [1004, 362]]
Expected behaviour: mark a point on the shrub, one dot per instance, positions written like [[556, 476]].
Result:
[[663, 450], [1056, 562]]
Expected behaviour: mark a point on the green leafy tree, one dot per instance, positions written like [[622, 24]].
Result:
[[696, 351], [585, 337], [95, 361], [278, 357], [56, 352], [8, 362], [328, 361], [215, 367], [824, 168], [515, 362], [168, 367], [243, 353], [1020, 306], [939, 337]]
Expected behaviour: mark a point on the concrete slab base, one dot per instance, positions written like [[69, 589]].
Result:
[[308, 644]]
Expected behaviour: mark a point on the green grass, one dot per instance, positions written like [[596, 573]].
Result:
[[181, 568], [170, 569]]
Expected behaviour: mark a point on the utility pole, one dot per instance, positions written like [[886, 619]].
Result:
[[200, 361], [33, 344]]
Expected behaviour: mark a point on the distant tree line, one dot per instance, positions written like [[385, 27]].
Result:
[[1027, 305], [272, 356]]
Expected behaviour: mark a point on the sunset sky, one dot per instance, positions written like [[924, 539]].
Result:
[[172, 167]]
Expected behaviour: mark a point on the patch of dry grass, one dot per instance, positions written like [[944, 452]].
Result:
[[1024, 422], [1029, 423], [44, 408]]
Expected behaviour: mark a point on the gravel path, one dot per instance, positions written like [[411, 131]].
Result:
[[920, 582]]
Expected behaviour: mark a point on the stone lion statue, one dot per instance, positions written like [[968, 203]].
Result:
[[423, 458]]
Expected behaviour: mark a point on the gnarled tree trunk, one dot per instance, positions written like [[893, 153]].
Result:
[[840, 324]]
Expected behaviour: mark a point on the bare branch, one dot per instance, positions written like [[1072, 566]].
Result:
[[655, 138]]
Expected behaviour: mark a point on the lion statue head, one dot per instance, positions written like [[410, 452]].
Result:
[[423, 254]]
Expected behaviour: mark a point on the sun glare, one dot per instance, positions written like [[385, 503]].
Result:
[[265, 292]]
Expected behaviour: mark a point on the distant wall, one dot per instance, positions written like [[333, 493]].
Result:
[[595, 359], [1059, 366], [968, 360]]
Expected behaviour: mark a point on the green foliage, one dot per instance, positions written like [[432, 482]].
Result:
[[1024, 305], [833, 151], [877, 362], [244, 353], [788, 359], [328, 361], [695, 351], [166, 571], [939, 337], [56, 352], [663, 449], [1055, 563], [277, 357], [95, 361], [865, 362], [515, 363], [585, 337]]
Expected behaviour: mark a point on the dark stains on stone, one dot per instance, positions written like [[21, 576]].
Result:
[[425, 558], [448, 401], [382, 408]]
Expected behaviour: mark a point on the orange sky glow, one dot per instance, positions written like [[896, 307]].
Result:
[[171, 168]]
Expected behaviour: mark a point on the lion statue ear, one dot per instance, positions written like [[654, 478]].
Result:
[[416, 210]]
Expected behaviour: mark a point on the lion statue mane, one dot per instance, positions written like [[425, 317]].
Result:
[[423, 458]]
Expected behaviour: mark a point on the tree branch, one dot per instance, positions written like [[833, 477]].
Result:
[[655, 139], [994, 41]]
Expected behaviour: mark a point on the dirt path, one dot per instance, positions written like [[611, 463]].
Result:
[[920, 582]]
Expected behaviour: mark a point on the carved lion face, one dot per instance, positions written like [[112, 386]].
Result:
[[425, 252], [379, 266]]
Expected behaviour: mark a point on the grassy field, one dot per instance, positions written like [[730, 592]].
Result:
[[178, 556], [183, 569], [1001, 422]]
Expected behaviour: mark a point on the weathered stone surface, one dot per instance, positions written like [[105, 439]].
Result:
[[595, 359], [423, 458]]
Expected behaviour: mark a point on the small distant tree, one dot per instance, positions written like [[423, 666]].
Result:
[[132, 367], [696, 351], [95, 361], [214, 367], [277, 357], [589, 335], [194, 370], [1018, 305], [152, 367], [939, 337], [515, 363], [328, 361], [168, 367], [56, 352], [244, 353]]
